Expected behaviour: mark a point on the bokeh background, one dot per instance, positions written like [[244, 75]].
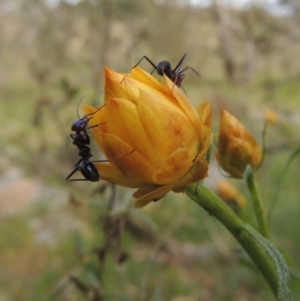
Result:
[[82, 241]]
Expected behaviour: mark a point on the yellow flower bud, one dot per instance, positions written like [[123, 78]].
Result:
[[271, 116], [236, 147], [169, 137], [229, 194]]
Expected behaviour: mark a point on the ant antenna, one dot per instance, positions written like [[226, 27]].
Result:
[[78, 106]]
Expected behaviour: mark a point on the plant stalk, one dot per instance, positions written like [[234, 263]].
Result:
[[216, 207], [258, 206]]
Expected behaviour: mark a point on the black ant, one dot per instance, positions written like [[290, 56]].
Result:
[[176, 75], [81, 139]]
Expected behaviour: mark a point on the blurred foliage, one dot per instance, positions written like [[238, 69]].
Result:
[[80, 241]]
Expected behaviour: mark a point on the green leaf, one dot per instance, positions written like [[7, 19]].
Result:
[[293, 155], [281, 268]]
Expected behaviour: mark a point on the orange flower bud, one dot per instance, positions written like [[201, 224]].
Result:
[[236, 147], [169, 136], [229, 194], [271, 117]]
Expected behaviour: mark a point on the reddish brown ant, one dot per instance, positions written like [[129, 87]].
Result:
[[176, 75]]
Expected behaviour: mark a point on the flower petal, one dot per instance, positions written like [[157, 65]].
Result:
[[204, 112], [124, 110], [204, 143], [128, 127], [145, 78], [131, 165], [197, 172], [146, 195], [111, 173], [238, 153], [257, 156], [133, 86], [166, 126], [174, 167], [186, 105], [113, 86]]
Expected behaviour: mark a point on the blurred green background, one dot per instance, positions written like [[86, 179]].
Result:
[[80, 240]]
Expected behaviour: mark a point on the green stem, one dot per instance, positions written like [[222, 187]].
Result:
[[258, 205], [216, 207]]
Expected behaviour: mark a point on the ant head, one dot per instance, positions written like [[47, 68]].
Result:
[[164, 67], [80, 124]]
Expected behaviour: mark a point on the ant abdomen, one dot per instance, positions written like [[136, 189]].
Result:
[[89, 171]]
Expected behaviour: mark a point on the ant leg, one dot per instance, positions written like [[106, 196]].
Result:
[[108, 160], [188, 67], [94, 112], [72, 173], [81, 166], [76, 165], [95, 125], [144, 57], [180, 63]]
